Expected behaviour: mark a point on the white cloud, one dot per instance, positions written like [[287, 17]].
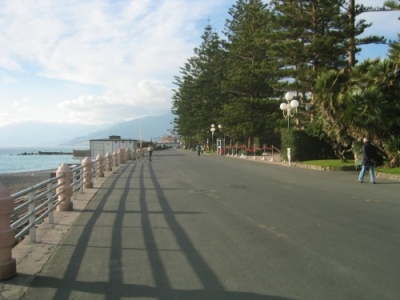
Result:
[[128, 50], [131, 49], [6, 79], [95, 42], [384, 23], [137, 101], [17, 103]]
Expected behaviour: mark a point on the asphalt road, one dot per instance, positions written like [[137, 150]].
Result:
[[215, 227]]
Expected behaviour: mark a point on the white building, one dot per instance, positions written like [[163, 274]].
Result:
[[113, 143]]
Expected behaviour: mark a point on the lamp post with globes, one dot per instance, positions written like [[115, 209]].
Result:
[[212, 129], [289, 109], [223, 144]]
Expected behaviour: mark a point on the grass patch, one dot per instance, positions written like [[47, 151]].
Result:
[[334, 163], [395, 171], [338, 164]]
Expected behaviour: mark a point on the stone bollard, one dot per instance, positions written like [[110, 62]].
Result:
[[134, 154], [8, 266], [87, 172], [65, 186], [109, 161], [115, 155], [129, 154], [120, 155], [100, 163]]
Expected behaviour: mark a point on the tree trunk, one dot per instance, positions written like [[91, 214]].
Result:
[[352, 46]]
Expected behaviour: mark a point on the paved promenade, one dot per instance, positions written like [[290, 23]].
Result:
[[188, 227]]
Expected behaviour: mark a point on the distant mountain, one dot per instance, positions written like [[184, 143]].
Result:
[[147, 128], [54, 134], [40, 133]]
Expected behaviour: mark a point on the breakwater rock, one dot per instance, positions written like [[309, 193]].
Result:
[[46, 153]]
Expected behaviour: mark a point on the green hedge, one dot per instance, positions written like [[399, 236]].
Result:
[[304, 147]]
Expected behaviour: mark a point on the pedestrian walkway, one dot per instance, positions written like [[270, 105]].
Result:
[[135, 235], [31, 257], [122, 241]]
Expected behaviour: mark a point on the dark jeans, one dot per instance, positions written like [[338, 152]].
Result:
[[371, 172]]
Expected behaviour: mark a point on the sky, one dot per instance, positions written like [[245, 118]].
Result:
[[109, 61]]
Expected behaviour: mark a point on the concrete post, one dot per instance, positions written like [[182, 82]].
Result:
[[120, 152], [65, 182], [115, 155], [8, 266], [109, 161], [100, 164], [123, 153], [129, 153], [272, 149], [87, 172]]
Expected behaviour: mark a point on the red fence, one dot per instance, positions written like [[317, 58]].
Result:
[[243, 150]]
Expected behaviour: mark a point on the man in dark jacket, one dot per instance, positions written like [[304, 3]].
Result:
[[368, 161], [150, 150], [198, 149]]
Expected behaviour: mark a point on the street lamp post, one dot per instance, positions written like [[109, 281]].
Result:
[[212, 129], [223, 145], [289, 109]]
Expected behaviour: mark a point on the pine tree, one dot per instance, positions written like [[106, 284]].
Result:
[[364, 102], [198, 99], [311, 39], [354, 29], [394, 51], [251, 70]]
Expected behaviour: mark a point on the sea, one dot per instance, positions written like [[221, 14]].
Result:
[[27, 159]]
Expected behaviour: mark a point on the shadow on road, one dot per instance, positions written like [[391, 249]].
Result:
[[69, 283]]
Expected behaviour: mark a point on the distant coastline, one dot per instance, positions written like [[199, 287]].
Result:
[[45, 153], [33, 159]]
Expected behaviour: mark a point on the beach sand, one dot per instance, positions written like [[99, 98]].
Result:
[[16, 182]]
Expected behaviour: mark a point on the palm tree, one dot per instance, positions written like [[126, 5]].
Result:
[[365, 102]]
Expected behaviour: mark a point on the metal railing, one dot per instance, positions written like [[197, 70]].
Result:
[[34, 204], [22, 212]]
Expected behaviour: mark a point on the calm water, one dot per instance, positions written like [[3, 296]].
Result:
[[11, 162]]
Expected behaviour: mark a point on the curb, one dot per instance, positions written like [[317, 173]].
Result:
[[317, 168]]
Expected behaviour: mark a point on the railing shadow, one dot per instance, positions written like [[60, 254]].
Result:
[[119, 290], [70, 282], [74, 265]]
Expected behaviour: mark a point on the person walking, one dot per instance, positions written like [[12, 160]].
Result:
[[368, 161], [150, 150], [198, 149]]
